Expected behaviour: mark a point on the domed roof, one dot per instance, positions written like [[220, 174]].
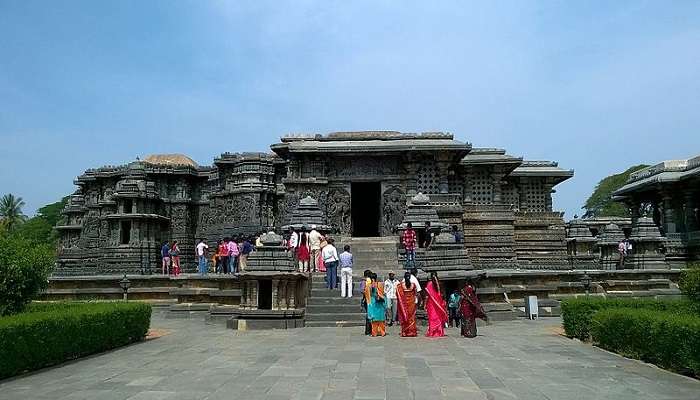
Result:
[[170, 159]]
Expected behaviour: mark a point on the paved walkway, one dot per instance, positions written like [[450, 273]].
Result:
[[510, 360]]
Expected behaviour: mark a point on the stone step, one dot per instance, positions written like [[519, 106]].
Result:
[[325, 293], [324, 301], [356, 316], [334, 324], [334, 309]]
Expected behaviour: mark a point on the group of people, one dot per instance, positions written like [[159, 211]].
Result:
[[410, 240], [397, 301], [230, 256], [315, 252], [170, 255]]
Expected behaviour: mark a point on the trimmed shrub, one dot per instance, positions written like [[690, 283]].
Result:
[[670, 341], [24, 269], [53, 333], [577, 313], [689, 282]]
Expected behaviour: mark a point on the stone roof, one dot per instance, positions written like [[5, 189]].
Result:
[[542, 168], [170, 160], [663, 172], [370, 141]]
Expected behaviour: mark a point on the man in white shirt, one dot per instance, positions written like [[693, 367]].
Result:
[[414, 280], [390, 294], [315, 246], [330, 259], [200, 251]]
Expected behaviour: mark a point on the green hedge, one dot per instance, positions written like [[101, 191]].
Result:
[[577, 313], [50, 334], [670, 341]]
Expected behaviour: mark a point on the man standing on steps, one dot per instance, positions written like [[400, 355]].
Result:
[[315, 245], [330, 260], [390, 293], [408, 239], [346, 272]]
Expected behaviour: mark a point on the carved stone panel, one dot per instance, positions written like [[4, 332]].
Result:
[[393, 209], [338, 210]]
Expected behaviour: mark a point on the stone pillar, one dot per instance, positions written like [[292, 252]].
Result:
[[284, 302], [523, 189], [412, 178], [291, 294], [275, 294], [691, 223], [468, 191], [497, 176], [548, 196], [669, 214], [244, 295], [253, 295], [633, 205], [444, 171]]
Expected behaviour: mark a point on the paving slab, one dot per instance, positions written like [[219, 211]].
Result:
[[513, 360]]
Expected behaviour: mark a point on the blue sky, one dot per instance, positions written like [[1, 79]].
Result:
[[594, 85]]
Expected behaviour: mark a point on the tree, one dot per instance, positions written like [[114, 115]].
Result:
[[11, 211], [601, 204], [40, 227], [24, 270]]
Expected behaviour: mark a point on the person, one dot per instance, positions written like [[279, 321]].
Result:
[[245, 250], [453, 308], [320, 266], [303, 252], [201, 252], [414, 280], [293, 242], [232, 255], [622, 249], [223, 256], [165, 254], [408, 239], [346, 272], [258, 240], [390, 292], [459, 236], [429, 235], [406, 296], [315, 246], [366, 281], [376, 308], [470, 309], [175, 257], [435, 307], [330, 260]]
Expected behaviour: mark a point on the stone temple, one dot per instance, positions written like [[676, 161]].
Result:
[[363, 188], [360, 183]]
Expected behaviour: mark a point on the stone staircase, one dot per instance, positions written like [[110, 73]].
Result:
[[325, 308], [375, 253]]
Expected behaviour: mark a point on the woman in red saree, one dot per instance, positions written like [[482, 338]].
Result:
[[435, 308], [406, 301], [470, 309]]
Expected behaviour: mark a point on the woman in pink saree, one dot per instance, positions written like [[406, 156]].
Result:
[[435, 308]]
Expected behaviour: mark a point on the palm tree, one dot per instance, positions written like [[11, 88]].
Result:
[[11, 211]]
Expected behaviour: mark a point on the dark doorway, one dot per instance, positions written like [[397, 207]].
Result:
[[365, 204], [265, 295]]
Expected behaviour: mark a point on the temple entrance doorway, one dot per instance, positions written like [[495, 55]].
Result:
[[365, 203]]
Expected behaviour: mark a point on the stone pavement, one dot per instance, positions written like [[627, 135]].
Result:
[[509, 360]]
